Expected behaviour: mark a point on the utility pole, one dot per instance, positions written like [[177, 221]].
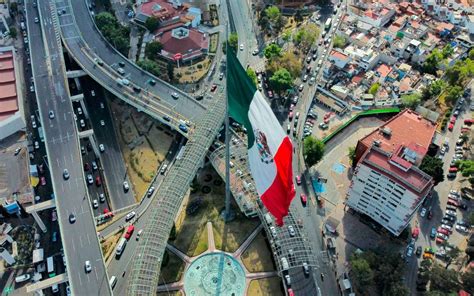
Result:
[[227, 215]]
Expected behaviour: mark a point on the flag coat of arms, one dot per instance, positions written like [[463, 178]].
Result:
[[269, 148]]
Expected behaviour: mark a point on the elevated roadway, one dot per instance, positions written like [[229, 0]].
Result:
[[87, 46], [79, 240]]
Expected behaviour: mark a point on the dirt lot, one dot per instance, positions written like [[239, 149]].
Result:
[[190, 226], [270, 286], [144, 145], [257, 257]]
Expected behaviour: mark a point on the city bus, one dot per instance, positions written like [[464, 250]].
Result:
[[327, 25], [50, 266]]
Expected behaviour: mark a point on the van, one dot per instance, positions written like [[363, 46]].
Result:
[[284, 264], [120, 246], [22, 278], [268, 218], [112, 281]]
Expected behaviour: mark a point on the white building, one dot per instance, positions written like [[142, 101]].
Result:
[[387, 184]]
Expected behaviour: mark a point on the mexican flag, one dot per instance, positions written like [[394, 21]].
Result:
[[269, 148]]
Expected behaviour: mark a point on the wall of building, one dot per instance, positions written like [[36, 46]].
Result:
[[387, 202]]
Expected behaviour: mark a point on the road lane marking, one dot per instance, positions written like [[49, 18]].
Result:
[[88, 238], [80, 241], [80, 280], [96, 275]]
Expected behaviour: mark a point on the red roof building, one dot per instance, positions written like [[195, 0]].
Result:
[[387, 184], [183, 44]]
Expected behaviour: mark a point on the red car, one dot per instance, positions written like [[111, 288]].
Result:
[[213, 87], [453, 119], [290, 292], [43, 181], [108, 214], [439, 240], [303, 199], [87, 166], [298, 179], [450, 126], [443, 231], [468, 121], [98, 181], [290, 116], [452, 202], [129, 232], [40, 168]]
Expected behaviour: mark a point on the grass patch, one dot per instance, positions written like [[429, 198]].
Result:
[[229, 236], [269, 286], [172, 271], [143, 146], [108, 245], [213, 42], [194, 73], [257, 257], [190, 228]]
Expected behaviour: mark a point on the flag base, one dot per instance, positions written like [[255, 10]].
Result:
[[228, 216]]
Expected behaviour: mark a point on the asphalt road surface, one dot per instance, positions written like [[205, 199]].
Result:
[[85, 43], [113, 164], [79, 239]]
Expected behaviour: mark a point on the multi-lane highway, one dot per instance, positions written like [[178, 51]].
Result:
[[85, 43], [62, 145]]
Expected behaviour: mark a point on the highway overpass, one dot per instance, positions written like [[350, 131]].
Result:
[[87, 46], [79, 240]]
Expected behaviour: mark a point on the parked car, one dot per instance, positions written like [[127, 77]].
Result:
[[303, 199], [423, 212]]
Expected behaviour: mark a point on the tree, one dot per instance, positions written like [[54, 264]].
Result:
[[313, 150], [351, 153], [152, 49], [447, 51], [150, 66], [361, 271], [251, 73], [281, 80], [431, 63], [374, 88], [433, 90], [451, 255], [471, 55], [272, 51], [289, 61], [433, 166], [170, 71], [13, 32], [273, 13], [411, 101], [286, 35], [152, 23], [467, 279], [466, 167], [444, 280], [298, 16], [339, 41], [454, 93], [14, 8], [471, 218], [113, 31], [233, 41], [306, 36]]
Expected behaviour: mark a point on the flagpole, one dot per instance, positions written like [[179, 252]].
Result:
[[227, 215]]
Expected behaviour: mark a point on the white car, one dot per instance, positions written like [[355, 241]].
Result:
[[82, 123], [242, 46], [90, 180], [88, 266], [451, 213], [102, 123], [423, 212], [150, 191], [130, 216], [102, 106], [447, 227], [461, 228], [409, 251], [102, 197], [163, 169], [101, 147], [95, 204], [93, 93], [273, 231], [126, 187], [291, 230], [51, 114]]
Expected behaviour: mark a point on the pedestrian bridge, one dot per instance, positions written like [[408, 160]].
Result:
[[59, 279]]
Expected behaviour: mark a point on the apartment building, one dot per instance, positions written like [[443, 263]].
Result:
[[387, 184]]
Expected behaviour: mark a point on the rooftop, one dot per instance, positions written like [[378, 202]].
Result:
[[8, 94], [189, 42], [407, 127], [413, 178]]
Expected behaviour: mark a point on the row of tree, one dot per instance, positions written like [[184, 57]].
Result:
[[453, 83], [114, 32]]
